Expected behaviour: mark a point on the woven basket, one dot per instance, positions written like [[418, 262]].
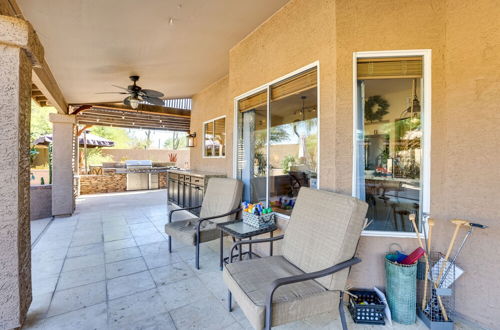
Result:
[[258, 221], [401, 289]]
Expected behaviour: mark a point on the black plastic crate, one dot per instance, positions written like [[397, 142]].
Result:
[[367, 308]]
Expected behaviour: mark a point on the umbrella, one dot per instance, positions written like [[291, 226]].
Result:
[[93, 141]]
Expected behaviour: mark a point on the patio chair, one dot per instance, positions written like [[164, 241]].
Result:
[[317, 252], [220, 204]]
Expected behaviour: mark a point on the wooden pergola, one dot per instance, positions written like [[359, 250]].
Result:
[[120, 115]]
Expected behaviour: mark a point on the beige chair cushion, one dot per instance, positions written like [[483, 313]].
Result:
[[323, 230], [249, 282], [185, 231], [222, 195]]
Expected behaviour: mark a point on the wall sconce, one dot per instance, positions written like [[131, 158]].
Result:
[[190, 140]]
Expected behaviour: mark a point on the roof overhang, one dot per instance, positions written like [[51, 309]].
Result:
[[42, 77]]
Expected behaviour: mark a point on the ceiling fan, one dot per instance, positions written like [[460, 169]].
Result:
[[138, 95]]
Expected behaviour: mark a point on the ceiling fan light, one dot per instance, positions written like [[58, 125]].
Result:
[[134, 102]]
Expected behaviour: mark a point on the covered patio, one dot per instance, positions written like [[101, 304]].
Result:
[[386, 110], [108, 267]]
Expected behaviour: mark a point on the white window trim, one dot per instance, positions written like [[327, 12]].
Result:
[[267, 87], [426, 129], [203, 138]]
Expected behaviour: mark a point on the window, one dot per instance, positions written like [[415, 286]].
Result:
[[277, 136], [390, 167], [214, 138]]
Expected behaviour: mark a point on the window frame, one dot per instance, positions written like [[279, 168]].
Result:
[[267, 86], [426, 97], [203, 137]]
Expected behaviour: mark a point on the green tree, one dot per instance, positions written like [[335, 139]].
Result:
[[120, 136], [40, 124], [276, 134], [95, 157], [177, 141]]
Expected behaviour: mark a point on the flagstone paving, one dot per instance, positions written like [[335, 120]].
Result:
[[108, 267]]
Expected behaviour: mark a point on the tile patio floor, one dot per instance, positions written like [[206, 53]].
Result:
[[108, 267]]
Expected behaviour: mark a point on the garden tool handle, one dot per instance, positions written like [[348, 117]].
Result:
[[430, 223], [412, 218], [458, 223]]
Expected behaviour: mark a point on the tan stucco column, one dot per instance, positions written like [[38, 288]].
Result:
[[63, 199], [20, 50]]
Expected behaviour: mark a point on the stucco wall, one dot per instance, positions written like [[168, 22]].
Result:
[[465, 41], [212, 102], [40, 201], [15, 242], [63, 201], [465, 138], [408, 25], [466, 178]]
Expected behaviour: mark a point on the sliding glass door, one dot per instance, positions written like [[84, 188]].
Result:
[[252, 147], [278, 141]]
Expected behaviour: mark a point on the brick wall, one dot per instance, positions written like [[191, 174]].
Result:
[[95, 184], [111, 182], [163, 180]]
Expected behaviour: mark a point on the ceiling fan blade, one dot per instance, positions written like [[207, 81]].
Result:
[[126, 101], [154, 100], [125, 89], [152, 93], [112, 93]]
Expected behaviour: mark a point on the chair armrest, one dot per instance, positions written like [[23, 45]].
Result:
[[201, 220], [254, 241], [307, 276], [183, 209], [221, 215]]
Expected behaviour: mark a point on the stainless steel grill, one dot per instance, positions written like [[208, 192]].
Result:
[[138, 176]]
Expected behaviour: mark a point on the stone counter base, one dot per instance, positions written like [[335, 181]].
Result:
[[109, 183]]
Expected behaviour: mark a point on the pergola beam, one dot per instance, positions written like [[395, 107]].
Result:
[[159, 119], [134, 123], [165, 121], [146, 117], [127, 125], [143, 108]]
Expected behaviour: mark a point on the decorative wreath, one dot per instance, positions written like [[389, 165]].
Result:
[[381, 109]]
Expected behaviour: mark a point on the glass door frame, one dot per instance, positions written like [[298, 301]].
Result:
[[267, 87], [426, 97]]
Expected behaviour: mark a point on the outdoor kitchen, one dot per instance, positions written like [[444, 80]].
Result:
[[125, 176]]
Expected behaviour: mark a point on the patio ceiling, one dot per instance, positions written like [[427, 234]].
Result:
[[177, 47], [146, 117]]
